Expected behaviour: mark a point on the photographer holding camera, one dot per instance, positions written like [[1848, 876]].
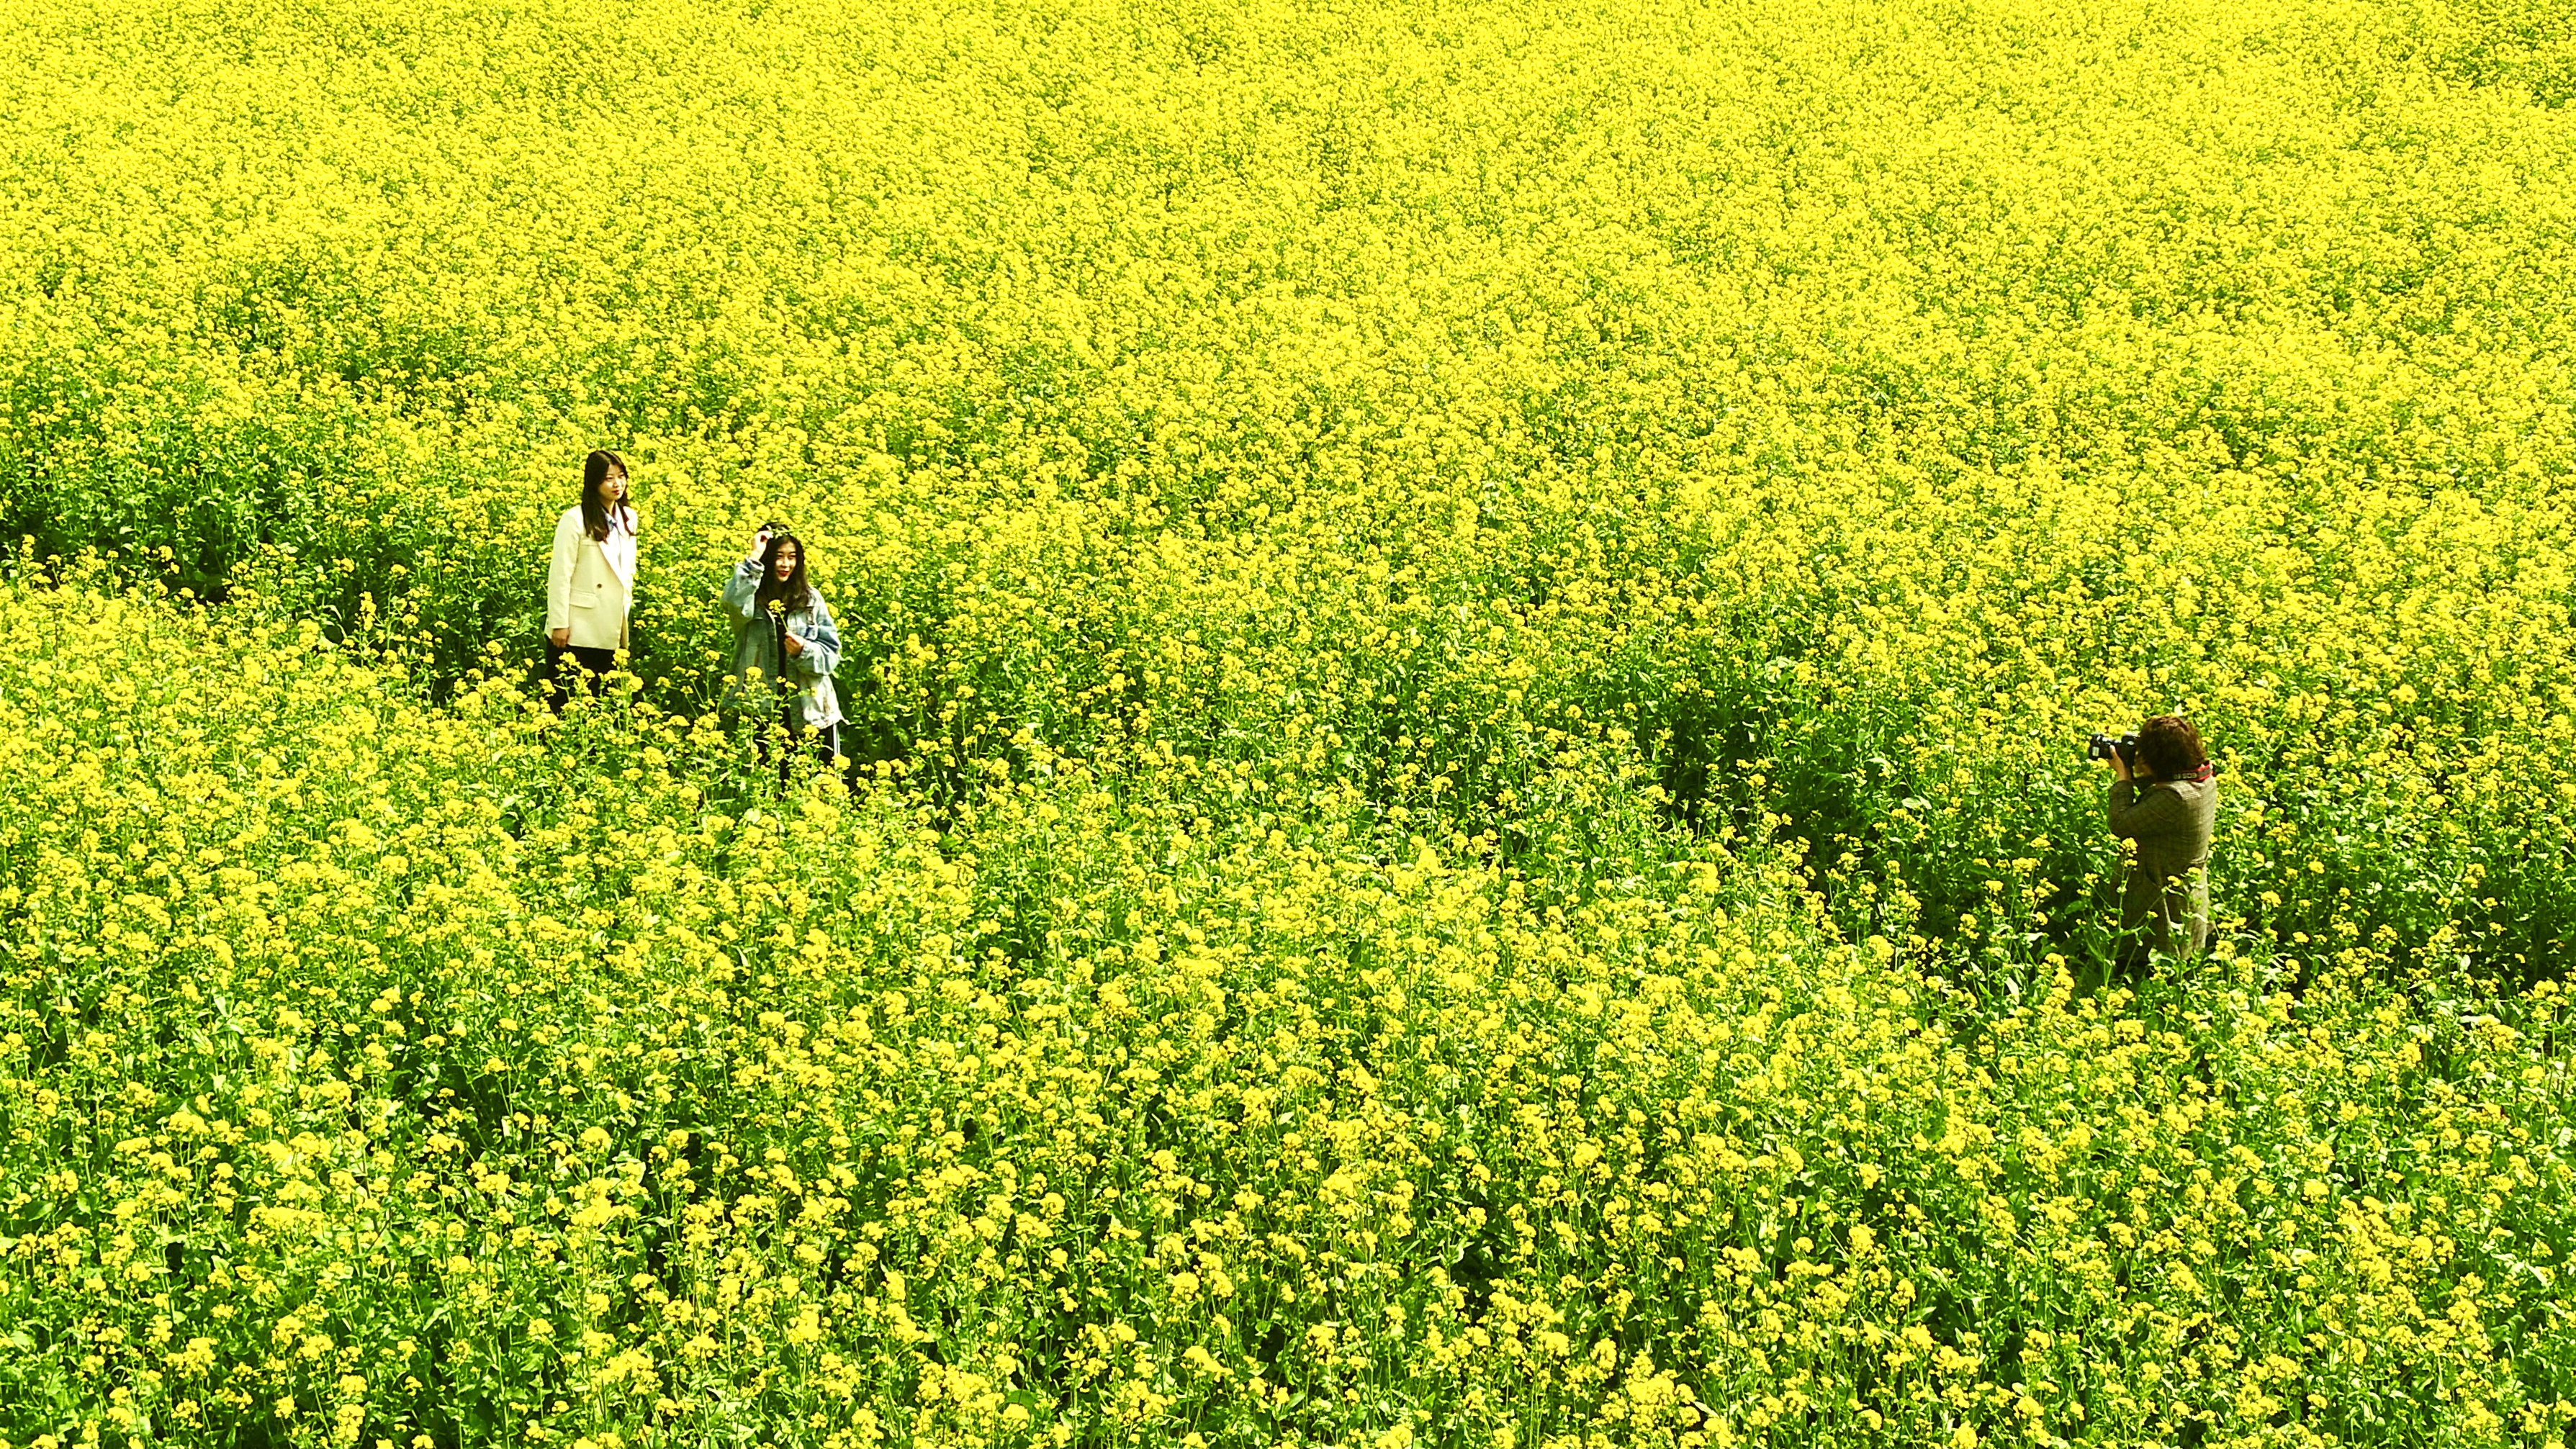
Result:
[[2164, 797]]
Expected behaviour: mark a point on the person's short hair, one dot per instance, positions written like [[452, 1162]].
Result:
[[2171, 747]]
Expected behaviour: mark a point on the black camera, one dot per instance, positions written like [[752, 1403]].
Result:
[[2101, 747]]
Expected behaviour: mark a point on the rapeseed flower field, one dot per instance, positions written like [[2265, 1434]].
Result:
[[1467, 630]]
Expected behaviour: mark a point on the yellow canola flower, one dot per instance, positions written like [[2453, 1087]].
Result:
[[1466, 632]]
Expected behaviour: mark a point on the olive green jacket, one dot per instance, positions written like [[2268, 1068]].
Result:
[[2165, 904]]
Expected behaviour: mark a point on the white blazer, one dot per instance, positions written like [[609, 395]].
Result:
[[590, 584]]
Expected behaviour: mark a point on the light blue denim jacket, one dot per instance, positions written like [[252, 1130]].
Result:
[[755, 646]]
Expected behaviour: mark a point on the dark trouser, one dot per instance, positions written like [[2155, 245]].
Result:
[[825, 742], [588, 666]]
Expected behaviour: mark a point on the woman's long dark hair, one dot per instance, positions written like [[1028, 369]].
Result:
[[594, 509], [793, 592]]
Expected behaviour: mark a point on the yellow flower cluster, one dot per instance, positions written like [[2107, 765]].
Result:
[[1883, 400], [1468, 629], [375, 1071]]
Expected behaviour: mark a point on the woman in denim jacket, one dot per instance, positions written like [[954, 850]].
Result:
[[785, 645]]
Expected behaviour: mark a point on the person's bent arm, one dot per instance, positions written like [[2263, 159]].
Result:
[[822, 652], [559, 578], [742, 591], [2136, 811]]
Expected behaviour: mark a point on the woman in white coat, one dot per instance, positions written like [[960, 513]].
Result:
[[590, 585]]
